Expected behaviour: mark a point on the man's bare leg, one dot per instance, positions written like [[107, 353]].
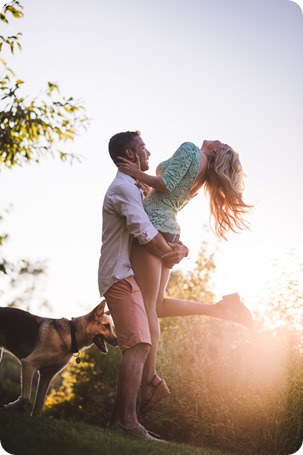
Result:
[[129, 380]]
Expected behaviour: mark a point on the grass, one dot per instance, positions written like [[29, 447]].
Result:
[[24, 435]]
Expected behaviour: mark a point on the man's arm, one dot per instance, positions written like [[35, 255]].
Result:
[[129, 205], [171, 253]]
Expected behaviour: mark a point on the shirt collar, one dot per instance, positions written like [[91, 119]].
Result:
[[130, 179]]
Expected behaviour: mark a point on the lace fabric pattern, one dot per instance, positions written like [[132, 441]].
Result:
[[179, 173]]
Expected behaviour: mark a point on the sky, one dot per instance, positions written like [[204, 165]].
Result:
[[177, 71]]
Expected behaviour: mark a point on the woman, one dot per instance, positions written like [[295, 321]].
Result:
[[217, 168]]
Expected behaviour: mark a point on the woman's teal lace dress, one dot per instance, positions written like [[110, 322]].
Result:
[[179, 173]]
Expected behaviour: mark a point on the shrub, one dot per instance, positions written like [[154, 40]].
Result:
[[88, 389]]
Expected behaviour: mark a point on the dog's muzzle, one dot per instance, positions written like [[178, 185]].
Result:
[[99, 341]]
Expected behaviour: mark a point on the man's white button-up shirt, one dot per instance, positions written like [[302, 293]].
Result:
[[124, 218]]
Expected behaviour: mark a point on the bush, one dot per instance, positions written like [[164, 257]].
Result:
[[10, 387], [88, 389]]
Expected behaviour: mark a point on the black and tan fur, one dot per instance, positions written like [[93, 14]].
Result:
[[45, 345]]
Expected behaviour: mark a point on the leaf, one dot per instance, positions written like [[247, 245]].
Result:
[[2, 268], [3, 18], [67, 109], [17, 14], [53, 86]]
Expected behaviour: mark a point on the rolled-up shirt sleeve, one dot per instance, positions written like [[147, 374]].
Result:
[[128, 203]]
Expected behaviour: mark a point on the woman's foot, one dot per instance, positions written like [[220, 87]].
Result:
[[152, 392], [233, 309]]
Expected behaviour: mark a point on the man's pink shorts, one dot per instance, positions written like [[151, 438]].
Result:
[[126, 305]]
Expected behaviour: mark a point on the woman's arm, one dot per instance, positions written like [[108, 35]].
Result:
[[154, 181], [133, 169]]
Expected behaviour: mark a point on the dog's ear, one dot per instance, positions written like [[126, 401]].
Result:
[[99, 310], [101, 306]]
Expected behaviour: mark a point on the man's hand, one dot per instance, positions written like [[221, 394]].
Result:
[[179, 252]]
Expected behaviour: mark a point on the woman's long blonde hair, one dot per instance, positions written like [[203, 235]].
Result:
[[225, 184]]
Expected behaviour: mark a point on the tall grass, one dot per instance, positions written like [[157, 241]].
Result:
[[232, 389]]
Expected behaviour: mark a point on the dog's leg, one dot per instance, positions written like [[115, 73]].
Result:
[[46, 375], [1, 353], [27, 373]]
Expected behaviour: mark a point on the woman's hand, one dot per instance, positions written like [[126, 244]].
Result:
[[134, 170], [128, 167]]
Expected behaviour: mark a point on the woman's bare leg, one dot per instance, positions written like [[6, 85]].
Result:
[[148, 269], [149, 275], [230, 308], [167, 307], [152, 277]]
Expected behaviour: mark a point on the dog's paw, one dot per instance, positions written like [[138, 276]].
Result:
[[20, 405]]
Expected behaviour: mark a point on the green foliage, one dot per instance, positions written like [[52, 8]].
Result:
[[30, 129], [3, 262], [33, 128], [196, 283], [15, 9], [282, 304], [19, 280], [9, 379], [88, 389]]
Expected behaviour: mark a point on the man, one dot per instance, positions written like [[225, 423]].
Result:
[[124, 218]]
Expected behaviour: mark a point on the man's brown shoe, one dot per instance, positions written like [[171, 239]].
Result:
[[137, 432]]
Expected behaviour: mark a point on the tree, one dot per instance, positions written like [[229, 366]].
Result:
[[32, 128], [29, 129], [196, 283], [19, 280], [282, 299]]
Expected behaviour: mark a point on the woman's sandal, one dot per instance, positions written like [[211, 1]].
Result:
[[238, 311], [158, 392]]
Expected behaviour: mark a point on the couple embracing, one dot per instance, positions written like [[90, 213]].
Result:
[[141, 243]]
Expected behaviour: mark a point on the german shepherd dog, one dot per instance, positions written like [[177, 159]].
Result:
[[47, 345]]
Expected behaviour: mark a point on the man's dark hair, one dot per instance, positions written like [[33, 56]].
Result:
[[120, 142]]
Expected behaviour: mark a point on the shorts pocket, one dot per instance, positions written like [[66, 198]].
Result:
[[132, 283]]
